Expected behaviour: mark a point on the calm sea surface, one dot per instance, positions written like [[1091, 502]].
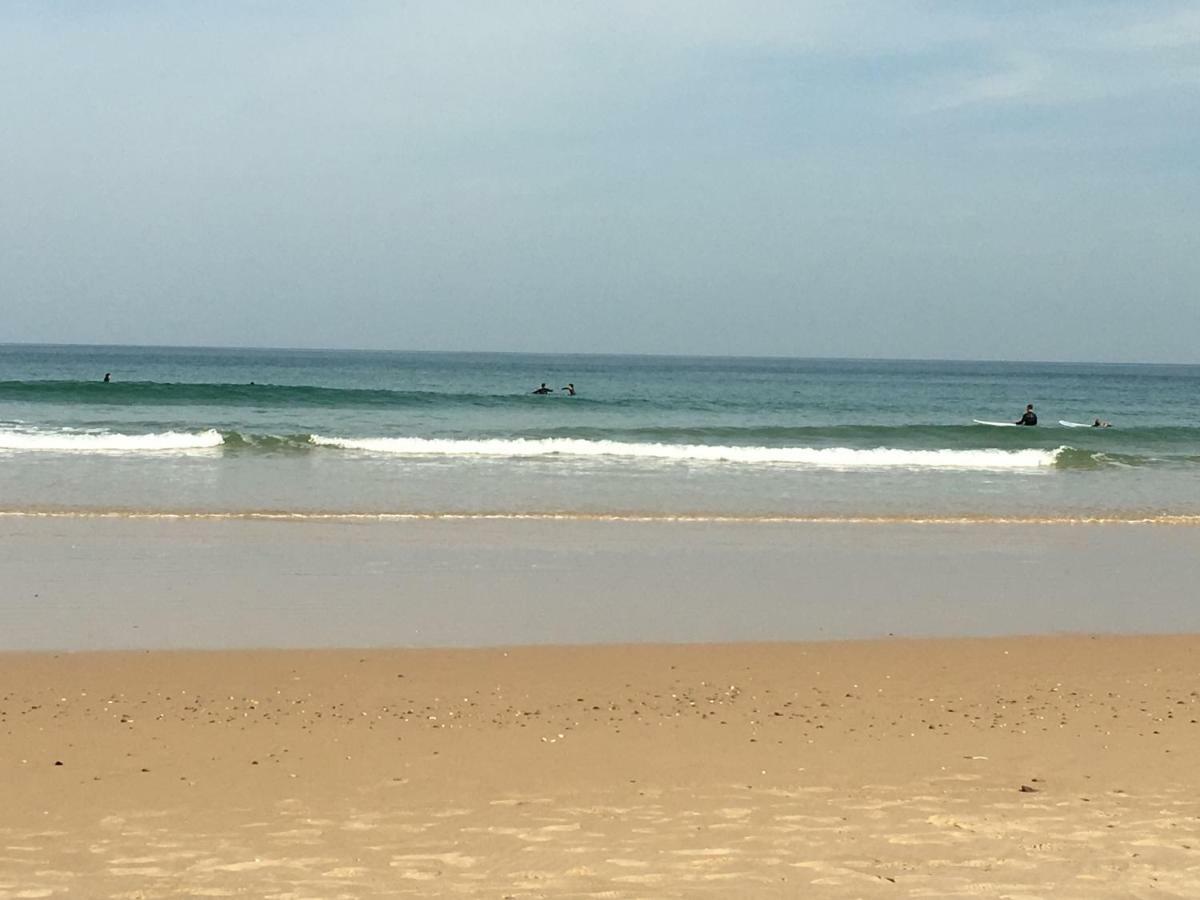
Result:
[[187, 430]]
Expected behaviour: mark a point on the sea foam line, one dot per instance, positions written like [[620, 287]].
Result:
[[80, 442], [825, 457]]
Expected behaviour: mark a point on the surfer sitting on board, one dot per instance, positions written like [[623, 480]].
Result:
[[543, 389], [1030, 417]]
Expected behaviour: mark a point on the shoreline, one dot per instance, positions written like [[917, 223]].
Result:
[[1047, 766]]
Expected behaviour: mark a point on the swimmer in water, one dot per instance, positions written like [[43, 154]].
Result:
[[1030, 417], [570, 389], [543, 389]]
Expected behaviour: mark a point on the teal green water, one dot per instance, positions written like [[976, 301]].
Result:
[[225, 430]]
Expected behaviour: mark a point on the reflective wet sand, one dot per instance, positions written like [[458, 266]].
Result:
[[111, 583]]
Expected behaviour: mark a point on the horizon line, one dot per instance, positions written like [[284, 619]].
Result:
[[596, 353]]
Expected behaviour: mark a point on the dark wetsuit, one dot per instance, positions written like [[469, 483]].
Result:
[[1030, 418]]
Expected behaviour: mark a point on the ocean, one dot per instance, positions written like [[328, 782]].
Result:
[[313, 433]]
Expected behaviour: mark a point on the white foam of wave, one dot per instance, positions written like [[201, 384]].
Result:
[[829, 457], [69, 441]]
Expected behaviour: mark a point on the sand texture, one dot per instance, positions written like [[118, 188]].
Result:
[[1064, 767]]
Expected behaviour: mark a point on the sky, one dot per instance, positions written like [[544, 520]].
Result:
[[1016, 180]]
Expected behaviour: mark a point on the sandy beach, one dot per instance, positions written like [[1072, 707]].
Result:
[[634, 709], [1015, 767]]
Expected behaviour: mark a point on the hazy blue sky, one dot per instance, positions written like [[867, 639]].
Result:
[[960, 179]]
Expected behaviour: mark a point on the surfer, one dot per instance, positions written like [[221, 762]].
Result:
[[1100, 423], [1030, 417], [570, 389], [543, 389], [107, 377]]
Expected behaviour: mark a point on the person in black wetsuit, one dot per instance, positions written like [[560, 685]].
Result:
[[1030, 417], [570, 389], [543, 389], [107, 377]]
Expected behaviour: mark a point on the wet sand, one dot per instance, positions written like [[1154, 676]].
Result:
[[1061, 767], [79, 583]]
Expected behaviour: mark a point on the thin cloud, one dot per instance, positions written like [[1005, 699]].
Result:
[[1180, 29], [1064, 57]]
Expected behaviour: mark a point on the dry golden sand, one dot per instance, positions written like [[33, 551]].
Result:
[[858, 769]]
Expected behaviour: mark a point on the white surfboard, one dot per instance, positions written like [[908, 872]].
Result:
[[995, 424], [1067, 424]]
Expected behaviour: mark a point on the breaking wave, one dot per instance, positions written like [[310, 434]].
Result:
[[827, 457], [15, 438], [104, 442]]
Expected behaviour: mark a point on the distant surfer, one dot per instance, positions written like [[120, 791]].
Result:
[[1100, 423], [107, 377], [570, 389], [1030, 417], [543, 389]]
